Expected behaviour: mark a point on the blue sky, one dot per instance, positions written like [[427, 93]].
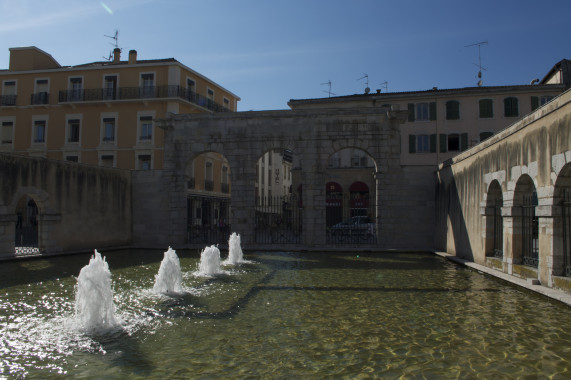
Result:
[[268, 52]]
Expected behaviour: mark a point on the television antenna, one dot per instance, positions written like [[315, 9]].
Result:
[[366, 78], [328, 91], [479, 65], [385, 84], [115, 44]]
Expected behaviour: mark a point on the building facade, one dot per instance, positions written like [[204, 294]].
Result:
[[99, 113]]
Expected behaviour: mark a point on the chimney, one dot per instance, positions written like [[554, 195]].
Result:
[[116, 55], [132, 57]]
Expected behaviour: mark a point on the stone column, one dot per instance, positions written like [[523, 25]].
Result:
[[509, 245], [7, 234], [313, 208], [379, 206], [546, 266]]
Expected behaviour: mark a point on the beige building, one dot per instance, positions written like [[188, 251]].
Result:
[[99, 113], [443, 123]]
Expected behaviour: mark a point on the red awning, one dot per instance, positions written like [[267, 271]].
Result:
[[359, 187], [333, 187]]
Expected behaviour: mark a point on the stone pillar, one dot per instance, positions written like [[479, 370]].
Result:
[[48, 223], [7, 234], [379, 207], [508, 245], [546, 267], [313, 208]]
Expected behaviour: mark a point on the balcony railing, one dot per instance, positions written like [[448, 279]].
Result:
[[8, 100], [145, 92], [40, 98]]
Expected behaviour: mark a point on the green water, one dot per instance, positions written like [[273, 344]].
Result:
[[284, 315]]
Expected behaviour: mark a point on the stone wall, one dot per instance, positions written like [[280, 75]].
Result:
[[80, 207]]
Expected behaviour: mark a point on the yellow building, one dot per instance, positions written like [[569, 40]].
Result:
[[99, 113]]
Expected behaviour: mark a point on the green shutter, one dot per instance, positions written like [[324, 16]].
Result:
[[443, 143], [412, 143], [410, 111], [463, 142], [534, 102], [433, 143], [432, 111]]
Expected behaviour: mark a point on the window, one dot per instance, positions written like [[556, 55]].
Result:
[[453, 142], [486, 108], [356, 161], [421, 111], [73, 130], [452, 110], [422, 143], [39, 131], [107, 160], [146, 129], [226, 103], [6, 132], [485, 135], [208, 176], [190, 85], [109, 129], [144, 161], [210, 94], [148, 83], [40, 95], [8, 97], [511, 108], [72, 158], [110, 87], [75, 86], [537, 101]]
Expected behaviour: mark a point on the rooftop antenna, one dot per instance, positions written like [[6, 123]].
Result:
[[366, 78], [479, 65], [385, 84], [328, 91], [115, 44]]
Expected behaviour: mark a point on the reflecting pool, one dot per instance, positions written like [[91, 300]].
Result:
[[283, 315]]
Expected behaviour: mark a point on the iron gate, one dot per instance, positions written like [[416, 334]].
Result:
[[279, 220], [530, 233], [350, 220], [566, 205], [207, 220]]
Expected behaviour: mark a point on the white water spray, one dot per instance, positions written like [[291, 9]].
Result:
[[209, 261], [235, 255], [94, 307], [169, 278]]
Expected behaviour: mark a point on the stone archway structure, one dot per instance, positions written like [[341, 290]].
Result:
[[312, 136]]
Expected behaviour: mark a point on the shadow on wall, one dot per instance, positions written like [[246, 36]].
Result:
[[451, 230]]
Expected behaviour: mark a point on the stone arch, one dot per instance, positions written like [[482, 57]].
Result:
[[494, 222], [562, 223], [525, 223]]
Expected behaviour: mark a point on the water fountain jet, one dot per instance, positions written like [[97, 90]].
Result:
[[235, 254], [209, 261], [169, 278]]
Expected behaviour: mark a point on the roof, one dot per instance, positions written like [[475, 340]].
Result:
[[431, 92], [565, 67], [139, 61]]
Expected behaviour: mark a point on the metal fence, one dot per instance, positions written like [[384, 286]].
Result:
[[26, 239], [566, 205], [350, 220], [530, 233], [278, 220], [207, 220]]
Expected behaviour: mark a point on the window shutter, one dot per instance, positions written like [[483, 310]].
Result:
[[432, 111], [412, 143], [433, 143], [443, 143], [463, 142], [410, 111], [534, 102]]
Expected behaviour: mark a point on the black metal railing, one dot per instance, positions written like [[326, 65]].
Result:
[[278, 220], [144, 92], [26, 236], [207, 220], [566, 215], [529, 234], [498, 249], [40, 98], [350, 220], [8, 100]]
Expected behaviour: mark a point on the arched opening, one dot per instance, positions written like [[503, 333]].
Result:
[[278, 206], [26, 239], [525, 223], [208, 191], [334, 203], [494, 221], [351, 210], [562, 223]]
